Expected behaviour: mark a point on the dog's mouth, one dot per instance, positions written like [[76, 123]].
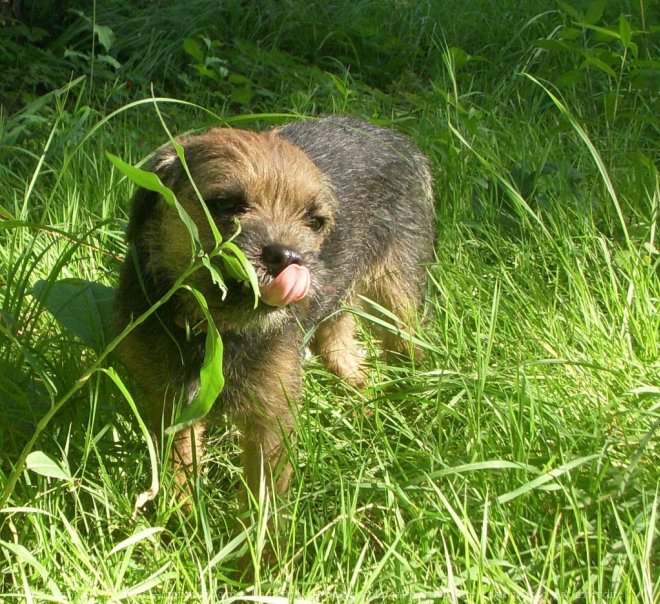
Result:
[[290, 285], [235, 310]]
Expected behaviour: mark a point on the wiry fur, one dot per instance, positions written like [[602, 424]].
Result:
[[353, 200]]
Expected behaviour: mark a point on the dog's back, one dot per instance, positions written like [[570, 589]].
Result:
[[385, 216]]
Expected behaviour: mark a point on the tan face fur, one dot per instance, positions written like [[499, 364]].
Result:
[[272, 188]]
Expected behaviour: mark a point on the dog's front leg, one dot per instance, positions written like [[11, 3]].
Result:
[[264, 389], [187, 452], [266, 438]]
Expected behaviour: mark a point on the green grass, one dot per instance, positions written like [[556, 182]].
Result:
[[518, 461]]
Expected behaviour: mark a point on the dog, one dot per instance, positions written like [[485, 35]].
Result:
[[329, 210]]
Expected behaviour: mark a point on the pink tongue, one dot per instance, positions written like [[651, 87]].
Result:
[[291, 285]]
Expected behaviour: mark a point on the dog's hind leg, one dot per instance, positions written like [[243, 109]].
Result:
[[399, 288]]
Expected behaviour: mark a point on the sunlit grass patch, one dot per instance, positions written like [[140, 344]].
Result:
[[517, 461]]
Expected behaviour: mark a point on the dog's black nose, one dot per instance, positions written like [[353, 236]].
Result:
[[278, 257]]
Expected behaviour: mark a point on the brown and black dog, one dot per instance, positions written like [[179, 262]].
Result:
[[329, 209]]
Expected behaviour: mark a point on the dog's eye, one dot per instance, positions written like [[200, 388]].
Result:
[[231, 203], [316, 223]]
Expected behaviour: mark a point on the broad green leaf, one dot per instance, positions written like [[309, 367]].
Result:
[[217, 65], [233, 268], [105, 36], [241, 96], [595, 11], [211, 378], [83, 307], [570, 33], [216, 276], [204, 71], [193, 48], [143, 178], [192, 228], [598, 64], [43, 464], [604, 33], [458, 57], [150, 181], [246, 271], [74, 54], [339, 84], [625, 31], [109, 60], [239, 80], [569, 10]]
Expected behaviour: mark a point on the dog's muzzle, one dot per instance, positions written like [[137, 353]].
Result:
[[291, 279]]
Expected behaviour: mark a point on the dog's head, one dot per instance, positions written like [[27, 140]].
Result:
[[284, 206]]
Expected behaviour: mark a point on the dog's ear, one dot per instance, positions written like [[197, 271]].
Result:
[[167, 166]]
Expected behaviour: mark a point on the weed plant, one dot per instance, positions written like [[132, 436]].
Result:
[[517, 462]]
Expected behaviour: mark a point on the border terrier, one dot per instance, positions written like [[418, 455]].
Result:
[[329, 210]]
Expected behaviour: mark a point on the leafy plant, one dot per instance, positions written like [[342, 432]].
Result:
[[612, 51], [215, 71], [82, 307]]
